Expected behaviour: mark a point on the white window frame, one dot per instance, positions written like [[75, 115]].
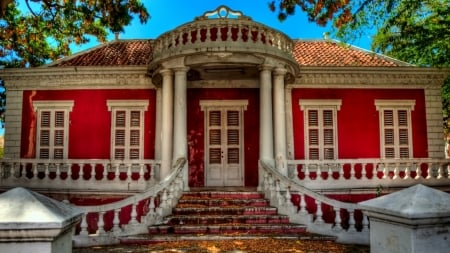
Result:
[[52, 107], [383, 105], [127, 105], [320, 105]]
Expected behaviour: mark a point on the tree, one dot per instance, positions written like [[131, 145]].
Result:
[[46, 32], [417, 32]]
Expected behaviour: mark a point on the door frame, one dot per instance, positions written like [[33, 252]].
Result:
[[241, 106]]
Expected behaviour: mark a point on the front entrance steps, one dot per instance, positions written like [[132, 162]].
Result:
[[225, 213]]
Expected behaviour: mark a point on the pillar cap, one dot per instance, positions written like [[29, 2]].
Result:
[[21, 208], [418, 204]]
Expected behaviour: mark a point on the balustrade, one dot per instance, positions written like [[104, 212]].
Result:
[[79, 175], [131, 215], [222, 34], [321, 214], [369, 173]]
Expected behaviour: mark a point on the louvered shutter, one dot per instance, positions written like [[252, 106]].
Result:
[[215, 137], [233, 137]]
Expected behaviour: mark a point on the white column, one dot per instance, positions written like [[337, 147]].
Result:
[[166, 123], [279, 116], [180, 120], [265, 112]]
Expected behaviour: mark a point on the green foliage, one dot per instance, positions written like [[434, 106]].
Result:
[[417, 32], [52, 25]]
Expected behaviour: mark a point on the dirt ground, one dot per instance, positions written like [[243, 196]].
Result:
[[233, 246]]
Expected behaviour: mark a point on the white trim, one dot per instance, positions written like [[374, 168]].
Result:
[[224, 106], [127, 106], [320, 105], [52, 107], [383, 105], [223, 103]]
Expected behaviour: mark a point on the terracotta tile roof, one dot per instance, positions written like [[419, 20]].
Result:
[[115, 53], [332, 53], [306, 53]]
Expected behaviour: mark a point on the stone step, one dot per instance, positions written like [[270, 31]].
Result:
[[234, 210], [199, 202], [229, 229], [225, 213], [223, 195], [227, 219]]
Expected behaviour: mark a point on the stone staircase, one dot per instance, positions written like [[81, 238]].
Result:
[[226, 213]]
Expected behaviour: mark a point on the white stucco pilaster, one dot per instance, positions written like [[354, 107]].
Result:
[[279, 116], [180, 119], [166, 122]]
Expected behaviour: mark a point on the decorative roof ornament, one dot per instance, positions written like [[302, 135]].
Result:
[[223, 12]]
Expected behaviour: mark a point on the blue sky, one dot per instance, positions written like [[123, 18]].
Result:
[[167, 15]]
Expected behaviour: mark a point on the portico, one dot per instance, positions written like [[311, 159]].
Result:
[[197, 55]]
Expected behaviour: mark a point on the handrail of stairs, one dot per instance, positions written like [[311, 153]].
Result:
[[144, 211], [342, 220]]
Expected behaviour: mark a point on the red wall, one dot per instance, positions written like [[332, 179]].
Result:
[[358, 120], [90, 121], [196, 132]]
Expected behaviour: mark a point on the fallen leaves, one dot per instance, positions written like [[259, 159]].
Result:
[[237, 246]]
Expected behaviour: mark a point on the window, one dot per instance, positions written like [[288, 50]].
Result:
[[320, 124], [127, 128], [52, 128], [395, 127]]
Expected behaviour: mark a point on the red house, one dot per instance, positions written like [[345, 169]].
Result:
[[124, 128]]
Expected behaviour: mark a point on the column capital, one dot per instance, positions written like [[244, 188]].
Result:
[[181, 69], [165, 72], [279, 71], [264, 67]]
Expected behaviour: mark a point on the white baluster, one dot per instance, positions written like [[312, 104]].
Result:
[[418, 172], [133, 220], [396, 172], [341, 172], [288, 202], [440, 172], [330, 172], [105, 172], [337, 219], [116, 221], [46, 171], [307, 171], [81, 174], [352, 171], [93, 174], [101, 223], [351, 221], [128, 166], [141, 172], [365, 223], [363, 171], [302, 210], [208, 34], [319, 172], [429, 171], [319, 213], [58, 170], [407, 172], [385, 171], [117, 172], [69, 171], [84, 225]]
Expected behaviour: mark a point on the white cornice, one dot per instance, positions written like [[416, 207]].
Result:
[[77, 78], [343, 77]]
